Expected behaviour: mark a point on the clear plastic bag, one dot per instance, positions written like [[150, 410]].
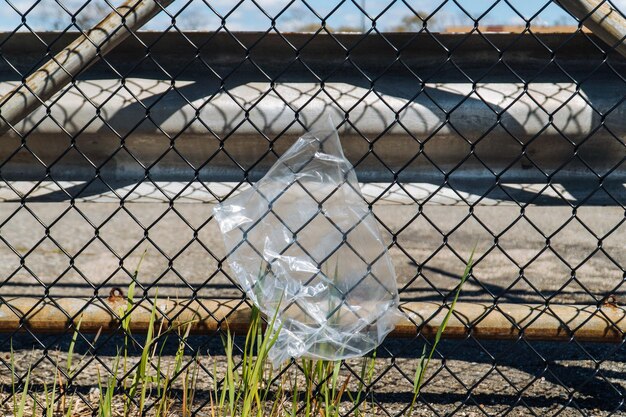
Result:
[[306, 249]]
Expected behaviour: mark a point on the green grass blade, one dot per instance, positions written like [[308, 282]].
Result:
[[145, 357], [295, 396], [68, 413], [425, 359], [13, 376], [22, 404], [70, 350], [50, 397], [228, 388]]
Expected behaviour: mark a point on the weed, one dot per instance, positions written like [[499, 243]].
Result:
[[21, 407], [424, 359], [250, 387]]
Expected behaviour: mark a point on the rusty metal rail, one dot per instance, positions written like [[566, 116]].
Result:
[[606, 323]]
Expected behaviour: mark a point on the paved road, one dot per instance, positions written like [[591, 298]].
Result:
[[78, 256]]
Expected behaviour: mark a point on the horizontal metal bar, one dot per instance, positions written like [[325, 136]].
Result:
[[605, 323], [270, 51]]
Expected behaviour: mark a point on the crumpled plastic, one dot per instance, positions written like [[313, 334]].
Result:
[[306, 249]]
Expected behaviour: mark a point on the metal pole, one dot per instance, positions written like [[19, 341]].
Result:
[[602, 19], [605, 323], [79, 55], [363, 16]]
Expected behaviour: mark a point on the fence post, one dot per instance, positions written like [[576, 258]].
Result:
[[602, 19], [59, 71]]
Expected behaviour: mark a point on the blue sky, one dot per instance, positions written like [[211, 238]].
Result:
[[197, 14]]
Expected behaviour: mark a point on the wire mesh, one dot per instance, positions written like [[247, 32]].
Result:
[[463, 136]]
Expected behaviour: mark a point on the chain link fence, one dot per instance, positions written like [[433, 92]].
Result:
[[494, 126]]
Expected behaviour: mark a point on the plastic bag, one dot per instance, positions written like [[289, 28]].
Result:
[[306, 249]]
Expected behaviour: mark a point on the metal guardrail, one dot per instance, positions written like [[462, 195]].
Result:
[[446, 104], [502, 110]]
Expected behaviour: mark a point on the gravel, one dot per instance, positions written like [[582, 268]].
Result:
[[474, 379]]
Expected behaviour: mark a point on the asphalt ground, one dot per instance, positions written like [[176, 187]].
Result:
[[546, 254]]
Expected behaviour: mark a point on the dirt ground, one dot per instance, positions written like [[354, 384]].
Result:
[[474, 379]]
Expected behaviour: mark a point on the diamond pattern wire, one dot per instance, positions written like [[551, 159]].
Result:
[[512, 143]]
